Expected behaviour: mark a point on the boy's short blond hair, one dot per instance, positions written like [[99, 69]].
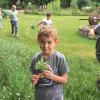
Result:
[[14, 6], [48, 31], [48, 14]]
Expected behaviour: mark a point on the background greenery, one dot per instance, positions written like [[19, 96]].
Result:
[[58, 7], [63, 3], [16, 55]]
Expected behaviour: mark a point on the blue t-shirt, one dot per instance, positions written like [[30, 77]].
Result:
[[56, 61]]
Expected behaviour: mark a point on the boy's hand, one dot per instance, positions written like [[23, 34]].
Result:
[[34, 79], [48, 67], [91, 33], [48, 73]]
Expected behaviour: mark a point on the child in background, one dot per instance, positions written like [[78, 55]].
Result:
[[57, 67], [46, 21], [14, 21], [0, 18]]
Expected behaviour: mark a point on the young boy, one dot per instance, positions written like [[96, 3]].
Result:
[[46, 21], [48, 82], [14, 21], [0, 19]]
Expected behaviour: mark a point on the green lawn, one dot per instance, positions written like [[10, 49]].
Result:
[[16, 55]]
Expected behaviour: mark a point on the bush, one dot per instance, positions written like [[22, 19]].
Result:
[[87, 9], [5, 13]]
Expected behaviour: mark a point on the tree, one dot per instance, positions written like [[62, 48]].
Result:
[[65, 3], [41, 2], [97, 3], [25, 1], [83, 3], [4, 3], [74, 4]]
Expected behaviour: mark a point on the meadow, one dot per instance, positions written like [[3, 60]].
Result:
[[16, 55]]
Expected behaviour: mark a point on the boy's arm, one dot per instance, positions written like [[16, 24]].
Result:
[[59, 79], [34, 79], [91, 32], [10, 14], [39, 23]]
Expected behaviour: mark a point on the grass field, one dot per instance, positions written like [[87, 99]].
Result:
[[16, 55]]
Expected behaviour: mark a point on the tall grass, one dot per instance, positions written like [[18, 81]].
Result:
[[16, 55], [14, 71]]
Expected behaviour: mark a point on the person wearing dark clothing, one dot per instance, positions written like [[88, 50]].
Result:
[[96, 31]]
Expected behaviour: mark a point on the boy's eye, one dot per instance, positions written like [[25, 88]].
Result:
[[42, 42], [49, 42]]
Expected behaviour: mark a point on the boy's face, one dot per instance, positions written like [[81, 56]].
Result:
[[48, 17], [47, 45], [13, 8]]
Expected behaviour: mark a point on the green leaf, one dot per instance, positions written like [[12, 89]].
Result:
[[41, 64]]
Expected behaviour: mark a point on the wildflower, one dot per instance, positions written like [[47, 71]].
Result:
[[10, 93], [18, 98], [29, 96], [41, 65], [17, 94], [4, 88]]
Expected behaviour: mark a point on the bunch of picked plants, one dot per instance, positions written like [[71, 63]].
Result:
[[40, 66]]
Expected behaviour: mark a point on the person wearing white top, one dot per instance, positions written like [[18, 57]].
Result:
[[46, 21], [96, 31]]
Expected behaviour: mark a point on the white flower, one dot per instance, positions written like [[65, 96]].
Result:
[[4, 88], [18, 94], [29, 96], [10, 93], [18, 98]]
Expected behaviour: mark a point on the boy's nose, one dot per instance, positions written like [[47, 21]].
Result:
[[45, 45]]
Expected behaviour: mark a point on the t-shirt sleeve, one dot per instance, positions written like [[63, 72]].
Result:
[[33, 63], [63, 66], [97, 29], [35, 59]]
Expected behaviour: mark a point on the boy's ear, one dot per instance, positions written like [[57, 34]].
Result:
[[56, 41]]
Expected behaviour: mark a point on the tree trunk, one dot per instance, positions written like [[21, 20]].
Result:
[[11, 3], [18, 1]]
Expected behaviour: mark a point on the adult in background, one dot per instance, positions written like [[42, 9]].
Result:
[[96, 31]]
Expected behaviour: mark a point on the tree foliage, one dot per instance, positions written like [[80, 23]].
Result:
[[74, 4], [65, 3], [41, 2], [83, 3], [4, 3], [25, 1]]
